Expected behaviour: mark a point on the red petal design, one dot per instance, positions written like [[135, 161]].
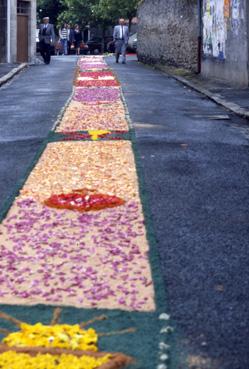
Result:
[[82, 200]]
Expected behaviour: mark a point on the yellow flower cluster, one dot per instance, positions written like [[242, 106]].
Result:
[[60, 336], [95, 134], [12, 360]]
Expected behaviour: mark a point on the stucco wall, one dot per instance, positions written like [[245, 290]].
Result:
[[13, 26], [32, 32], [225, 40], [168, 32]]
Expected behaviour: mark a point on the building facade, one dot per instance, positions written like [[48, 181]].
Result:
[[17, 31], [207, 36]]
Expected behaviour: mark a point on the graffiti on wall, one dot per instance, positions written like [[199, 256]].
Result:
[[218, 15]]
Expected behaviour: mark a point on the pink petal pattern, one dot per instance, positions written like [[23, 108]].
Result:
[[60, 257], [96, 95]]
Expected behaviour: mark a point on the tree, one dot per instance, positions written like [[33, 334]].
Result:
[[49, 8], [106, 12], [77, 11], [110, 10]]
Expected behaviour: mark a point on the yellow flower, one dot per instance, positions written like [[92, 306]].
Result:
[[14, 360], [61, 336], [96, 133]]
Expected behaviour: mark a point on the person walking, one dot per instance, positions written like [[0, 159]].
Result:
[[64, 37], [46, 38], [121, 38], [77, 38]]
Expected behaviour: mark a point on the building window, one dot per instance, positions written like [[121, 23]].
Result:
[[23, 7]]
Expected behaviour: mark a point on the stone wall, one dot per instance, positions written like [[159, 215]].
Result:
[[168, 32], [226, 40]]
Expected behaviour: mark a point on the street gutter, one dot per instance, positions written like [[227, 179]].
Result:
[[233, 107], [12, 73]]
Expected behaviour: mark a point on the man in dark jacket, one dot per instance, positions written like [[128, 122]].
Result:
[[46, 38]]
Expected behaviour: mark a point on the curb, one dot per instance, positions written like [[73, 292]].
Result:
[[12, 73], [235, 108]]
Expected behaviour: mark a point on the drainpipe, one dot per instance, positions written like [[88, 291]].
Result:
[[8, 31], [199, 36]]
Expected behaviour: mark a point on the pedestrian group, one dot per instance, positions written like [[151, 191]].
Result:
[[71, 38]]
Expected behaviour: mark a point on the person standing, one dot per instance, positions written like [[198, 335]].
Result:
[[77, 39], [46, 38], [121, 38], [71, 40], [64, 37]]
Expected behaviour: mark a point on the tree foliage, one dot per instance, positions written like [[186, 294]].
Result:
[[49, 8], [77, 11], [83, 12], [111, 10]]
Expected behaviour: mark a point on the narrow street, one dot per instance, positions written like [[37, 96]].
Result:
[[194, 170]]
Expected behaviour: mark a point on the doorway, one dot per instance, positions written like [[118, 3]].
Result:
[[22, 38], [23, 12]]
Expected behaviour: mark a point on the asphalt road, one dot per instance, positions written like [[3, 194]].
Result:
[[29, 106], [196, 173]]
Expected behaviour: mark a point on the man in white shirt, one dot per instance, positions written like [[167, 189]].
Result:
[[121, 37]]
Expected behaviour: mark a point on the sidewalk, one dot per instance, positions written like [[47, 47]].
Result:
[[9, 70], [233, 99]]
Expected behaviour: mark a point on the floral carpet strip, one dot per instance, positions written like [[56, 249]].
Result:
[[84, 259], [96, 102], [76, 238]]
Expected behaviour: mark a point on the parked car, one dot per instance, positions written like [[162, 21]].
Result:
[[132, 43], [94, 45], [110, 47]]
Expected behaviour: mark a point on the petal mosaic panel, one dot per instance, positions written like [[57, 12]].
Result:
[[105, 166], [78, 259], [83, 117], [103, 95]]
